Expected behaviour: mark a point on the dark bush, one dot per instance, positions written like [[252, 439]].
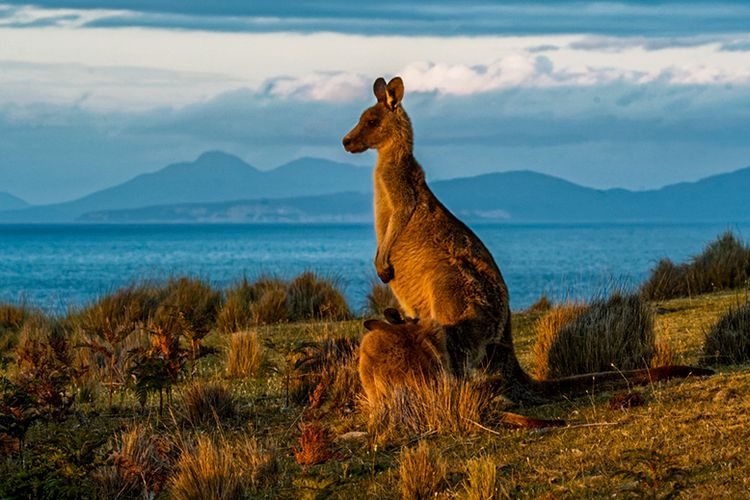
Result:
[[316, 298], [612, 334], [728, 342], [723, 265]]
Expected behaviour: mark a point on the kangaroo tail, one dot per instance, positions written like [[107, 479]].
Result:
[[612, 380], [522, 422]]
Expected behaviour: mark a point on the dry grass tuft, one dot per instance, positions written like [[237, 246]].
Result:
[[380, 298], [311, 297], [330, 369], [221, 470], [314, 445], [142, 463], [723, 265], [422, 472], [547, 329], [271, 305], [208, 403], [189, 306], [446, 405], [542, 304], [617, 333], [481, 480], [206, 471], [12, 317], [664, 354], [235, 314], [728, 341], [245, 354]]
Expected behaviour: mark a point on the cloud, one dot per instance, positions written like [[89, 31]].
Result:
[[736, 46], [615, 134], [317, 87], [652, 43], [542, 48], [435, 17], [510, 72]]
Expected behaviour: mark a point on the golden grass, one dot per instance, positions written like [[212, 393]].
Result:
[[448, 406], [688, 437], [547, 329], [220, 469], [245, 354], [684, 322], [422, 472], [481, 480]]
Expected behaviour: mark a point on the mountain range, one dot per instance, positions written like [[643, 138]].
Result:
[[10, 202], [218, 187]]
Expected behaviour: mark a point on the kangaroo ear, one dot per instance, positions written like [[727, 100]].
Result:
[[394, 93], [393, 316], [375, 324], [378, 89]]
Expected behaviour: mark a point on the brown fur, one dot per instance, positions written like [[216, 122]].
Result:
[[436, 266], [400, 354]]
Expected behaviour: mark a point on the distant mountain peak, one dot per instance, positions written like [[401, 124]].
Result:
[[11, 202], [219, 157]]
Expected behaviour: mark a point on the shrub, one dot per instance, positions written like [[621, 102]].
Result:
[[142, 462], [314, 445], [542, 304], [380, 298], [330, 367], [547, 329], [208, 403], [235, 314], [724, 264], [189, 308], [104, 326], [611, 334], [271, 305], [422, 472], [208, 469], [245, 354], [728, 341], [448, 406], [157, 367], [45, 367], [316, 298]]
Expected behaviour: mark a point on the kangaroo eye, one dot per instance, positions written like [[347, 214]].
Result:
[[372, 123]]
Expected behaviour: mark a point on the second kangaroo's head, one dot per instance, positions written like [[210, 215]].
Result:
[[382, 124]]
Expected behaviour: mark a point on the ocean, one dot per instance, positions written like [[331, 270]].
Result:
[[56, 267]]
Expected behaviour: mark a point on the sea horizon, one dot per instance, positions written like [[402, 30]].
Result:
[[56, 267]]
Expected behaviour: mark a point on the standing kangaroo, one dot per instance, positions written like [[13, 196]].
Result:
[[438, 268]]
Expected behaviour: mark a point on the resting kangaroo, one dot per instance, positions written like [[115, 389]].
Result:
[[440, 271]]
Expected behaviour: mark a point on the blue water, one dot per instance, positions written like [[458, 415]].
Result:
[[58, 266]]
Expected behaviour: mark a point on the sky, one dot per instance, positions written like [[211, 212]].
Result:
[[632, 94]]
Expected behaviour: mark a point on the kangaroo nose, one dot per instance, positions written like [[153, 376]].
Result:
[[346, 142]]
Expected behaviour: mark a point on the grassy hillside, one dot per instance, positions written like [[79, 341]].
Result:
[[249, 432]]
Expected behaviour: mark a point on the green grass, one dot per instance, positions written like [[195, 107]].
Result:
[[690, 437]]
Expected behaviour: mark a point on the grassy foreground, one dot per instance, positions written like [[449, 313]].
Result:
[[688, 437]]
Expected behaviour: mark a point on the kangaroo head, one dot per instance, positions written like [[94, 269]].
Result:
[[380, 124]]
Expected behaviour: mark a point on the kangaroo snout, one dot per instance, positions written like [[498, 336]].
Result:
[[353, 146]]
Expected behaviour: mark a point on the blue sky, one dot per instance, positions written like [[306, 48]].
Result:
[[606, 94]]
